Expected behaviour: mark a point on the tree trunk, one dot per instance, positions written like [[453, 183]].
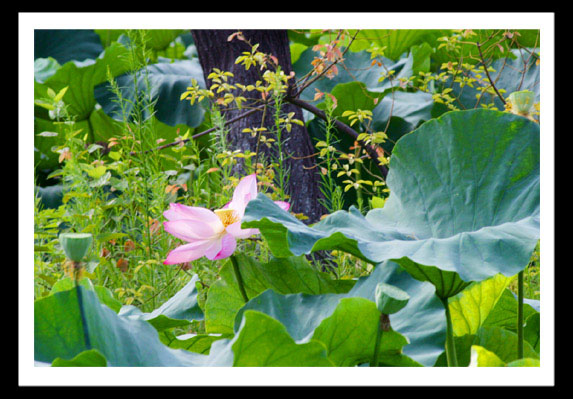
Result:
[[215, 51]]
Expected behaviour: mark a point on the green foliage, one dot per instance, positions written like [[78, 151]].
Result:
[[166, 81], [471, 308], [283, 276], [89, 358], [65, 45], [429, 223], [393, 42], [349, 335], [481, 357], [421, 321], [451, 224]]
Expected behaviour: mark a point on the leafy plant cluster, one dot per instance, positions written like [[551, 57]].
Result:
[[427, 147]]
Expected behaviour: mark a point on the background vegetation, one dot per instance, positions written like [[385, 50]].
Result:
[[125, 124]]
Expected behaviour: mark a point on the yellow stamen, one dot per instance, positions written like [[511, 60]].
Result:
[[227, 216]]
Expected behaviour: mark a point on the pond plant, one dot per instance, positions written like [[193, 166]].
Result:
[[164, 243]]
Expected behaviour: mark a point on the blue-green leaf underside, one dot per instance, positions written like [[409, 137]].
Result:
[[422, 321], [464, 199]]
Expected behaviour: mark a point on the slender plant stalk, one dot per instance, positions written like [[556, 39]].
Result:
[[383, 326], [239, 278], [450, 347], [77, 266], [340, 126], [259, 137], [487, 74], [282, 172], [374, 362], [520, 315]]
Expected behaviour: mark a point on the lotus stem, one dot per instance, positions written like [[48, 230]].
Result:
[[383, 325], [77, 267], [520, 315], [374, 362], [450, 346], [239, 278]]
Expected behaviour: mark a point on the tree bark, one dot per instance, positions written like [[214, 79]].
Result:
[[215, 51]]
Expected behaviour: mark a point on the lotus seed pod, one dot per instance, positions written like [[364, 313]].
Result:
[[75, 245], [522, 102], [390, 299]]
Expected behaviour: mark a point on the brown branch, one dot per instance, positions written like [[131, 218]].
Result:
[[340, 126], [203, 133], [487, 73], [318, 76]]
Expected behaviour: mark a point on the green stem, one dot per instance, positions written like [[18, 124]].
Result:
[[359, 196], [77, 267], [379, 332], [450, 346], [520, 315], [239, 278]]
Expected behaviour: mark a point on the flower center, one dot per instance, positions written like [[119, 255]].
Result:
[[227, 216]]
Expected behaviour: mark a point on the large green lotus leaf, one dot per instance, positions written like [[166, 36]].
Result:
[[167, 81], [66, 44], [44, 68], [358, 68], [405, 111], [403, 43], [504, 314], [308, 37], [296, 50], [179, 310], [470, 308], [396, 41], [447, 283], [413, 107], [108, 36], [349, 335], [58, 333], [104, 128], [488, 39], [81, 78], [44, 157], [156, 39], [89, 358], [353, 96], [509, 75], [422, 58], [481, 357], [464, 200], [283, 275], [198, 343], [526, 362], [422, 321], [495, 339], [159, 39], [503, 343], [264, 342], [532, 331], [50, 196], [104, 295]]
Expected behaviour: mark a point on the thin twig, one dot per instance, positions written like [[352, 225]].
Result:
[[318, 76], [339, 125], [204, 132], [487, 73]]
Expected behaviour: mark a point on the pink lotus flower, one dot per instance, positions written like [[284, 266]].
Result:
[[211, 234]]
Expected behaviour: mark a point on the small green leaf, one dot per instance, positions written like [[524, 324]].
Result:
[[89, 358]]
